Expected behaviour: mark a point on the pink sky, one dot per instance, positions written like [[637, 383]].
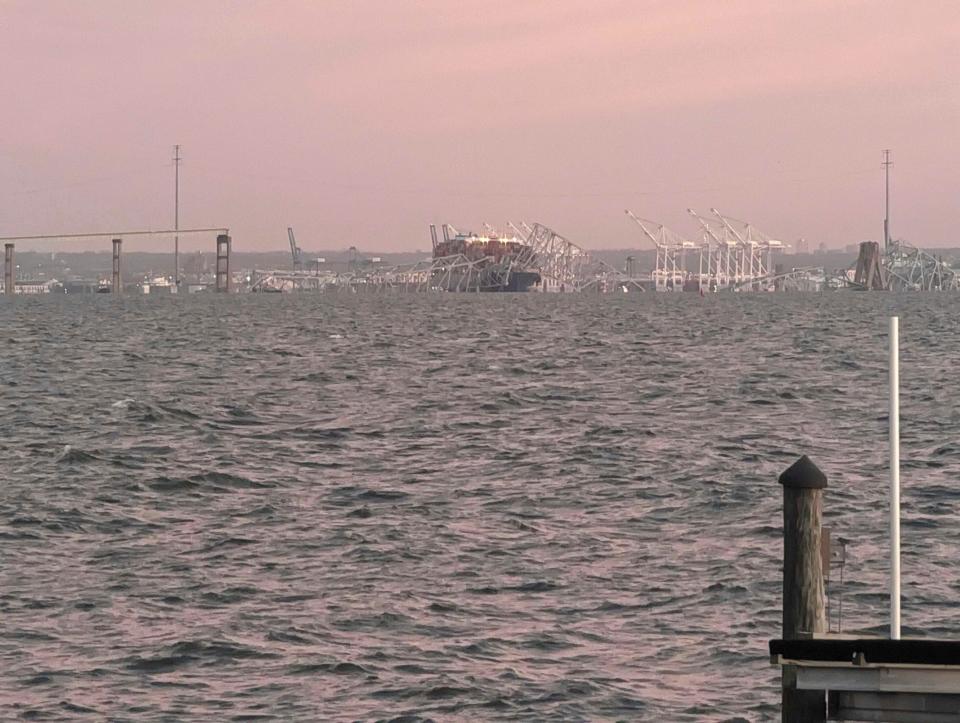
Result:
[[360, 122]]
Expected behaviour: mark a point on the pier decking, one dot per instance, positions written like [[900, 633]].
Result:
[[877, 679]]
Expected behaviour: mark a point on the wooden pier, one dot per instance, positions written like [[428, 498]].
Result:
[[876, 679], [829, 676]]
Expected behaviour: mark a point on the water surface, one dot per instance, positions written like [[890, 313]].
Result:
[[297, 507]]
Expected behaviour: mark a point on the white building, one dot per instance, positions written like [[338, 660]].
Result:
[[31, 286]]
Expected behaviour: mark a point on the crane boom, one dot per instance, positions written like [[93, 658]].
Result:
[[295, 251], [726, 224], [749, 234], [706, 227], [646, 231]]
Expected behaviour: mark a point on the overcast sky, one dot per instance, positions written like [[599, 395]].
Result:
[[360, 122]]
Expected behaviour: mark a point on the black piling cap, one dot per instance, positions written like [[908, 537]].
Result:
[[803, 474]]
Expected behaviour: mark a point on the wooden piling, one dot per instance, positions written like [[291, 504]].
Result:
[[116, 286], [9, 281], [223, 263], [804, 611]]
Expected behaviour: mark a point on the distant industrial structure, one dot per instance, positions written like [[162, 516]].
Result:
[[12, 284], [295, 251], [531, 258], [734, 255], [727, 255], [730, 255], [901, 267]]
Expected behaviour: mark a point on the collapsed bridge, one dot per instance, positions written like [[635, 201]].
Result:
[[533, 258]]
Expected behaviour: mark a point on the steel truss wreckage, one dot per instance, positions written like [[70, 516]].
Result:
[[564, 266], [731, 255], [558, 263], [902, 267]]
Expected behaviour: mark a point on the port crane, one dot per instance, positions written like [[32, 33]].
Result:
[[670, 270], [757, 248], [295, 251], [724, 267]]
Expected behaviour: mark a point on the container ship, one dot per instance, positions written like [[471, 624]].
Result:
[[470, 262]]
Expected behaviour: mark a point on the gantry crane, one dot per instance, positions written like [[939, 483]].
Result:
[[757, 248], [295, 251], [670, 271], [724, 267]]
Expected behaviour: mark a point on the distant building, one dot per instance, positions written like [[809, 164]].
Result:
[[32, 286], [158, 284]]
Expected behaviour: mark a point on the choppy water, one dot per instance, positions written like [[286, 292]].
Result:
[[447, 507]]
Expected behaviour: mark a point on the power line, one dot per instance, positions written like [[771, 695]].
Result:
[[743, 182]]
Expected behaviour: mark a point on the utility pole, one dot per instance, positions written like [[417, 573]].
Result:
[[176, 217], [886, 216]]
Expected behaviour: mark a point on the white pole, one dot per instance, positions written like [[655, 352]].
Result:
[[894, 478]]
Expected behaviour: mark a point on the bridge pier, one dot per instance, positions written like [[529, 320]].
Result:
[[116, 287], [9, 281], [223, 263]]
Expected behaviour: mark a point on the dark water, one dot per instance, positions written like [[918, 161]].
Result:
[[448, 507]]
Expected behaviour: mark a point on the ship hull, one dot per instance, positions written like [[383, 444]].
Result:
[[495, 279], [518, 281]]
